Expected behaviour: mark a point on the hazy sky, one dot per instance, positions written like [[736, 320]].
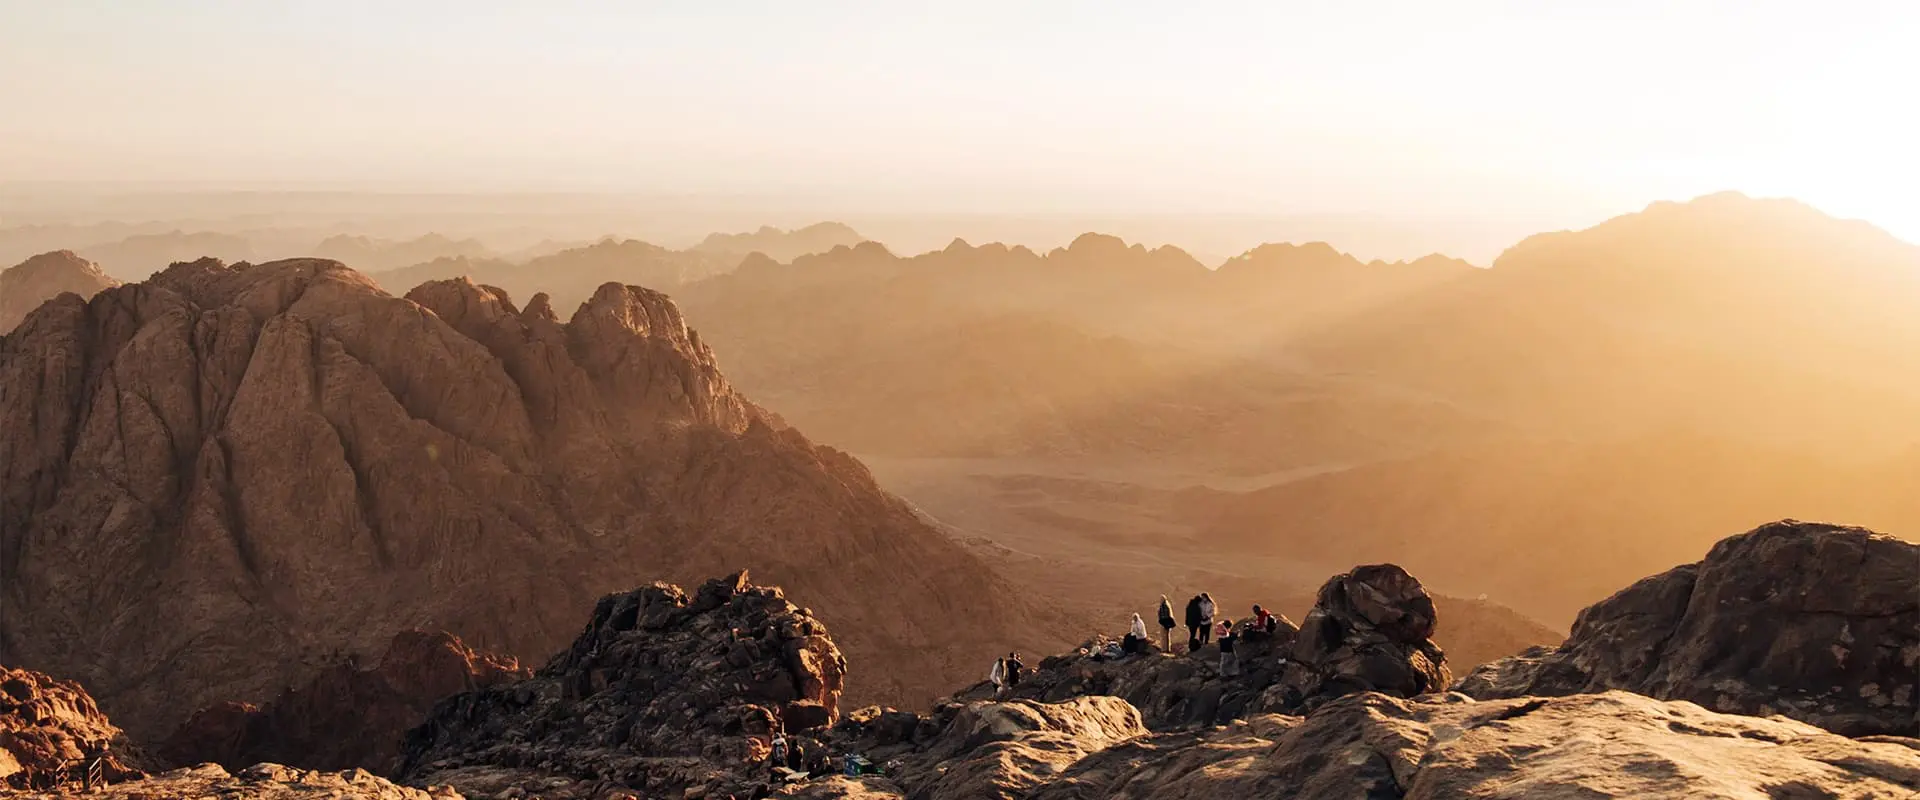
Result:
[[1489, 106]]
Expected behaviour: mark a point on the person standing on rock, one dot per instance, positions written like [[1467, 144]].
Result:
[[998, 677], [1166, 624], [1229, 660], [1014, 668], [1206, 617], [1195, 624]]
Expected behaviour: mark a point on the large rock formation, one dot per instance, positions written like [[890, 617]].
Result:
[[43, 277], [52, 734], [1370, 631], [662, 692], [346, 717], [1820, 623], [213, 481]]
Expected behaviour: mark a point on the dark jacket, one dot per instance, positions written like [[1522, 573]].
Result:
[[1194, 620], [1166, 613]]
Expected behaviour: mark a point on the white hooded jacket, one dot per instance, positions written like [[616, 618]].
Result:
[[1139, 627]]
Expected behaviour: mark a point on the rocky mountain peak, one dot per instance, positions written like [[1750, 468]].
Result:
[[218, 478], [664, 689], [36, 280]]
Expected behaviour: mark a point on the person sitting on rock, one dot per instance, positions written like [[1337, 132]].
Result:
[[1229, 660], [1136, 640], [1166, 624], [1262, 620]]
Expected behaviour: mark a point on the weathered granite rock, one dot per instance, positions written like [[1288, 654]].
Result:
[[1816, 622], [1370, 630], [52, 734], [662, 693], [1443, 747]]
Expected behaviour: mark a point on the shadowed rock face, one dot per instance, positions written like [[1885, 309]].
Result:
[[1820, 623], [661, 692], [213, 481], [346, 717], [43, 277], [51, 733]]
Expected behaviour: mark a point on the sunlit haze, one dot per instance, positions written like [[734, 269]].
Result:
[[1560, 112]]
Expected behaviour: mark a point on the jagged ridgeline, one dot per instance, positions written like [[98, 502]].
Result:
[[218, 480]]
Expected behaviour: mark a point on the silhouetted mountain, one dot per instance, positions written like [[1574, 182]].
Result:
[[25, 286], [571, 276], [1757, 319], [1096, 348], [782, 245], [382, 254], [217, 478], [137, 256]]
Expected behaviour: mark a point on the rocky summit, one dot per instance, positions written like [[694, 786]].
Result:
[[1819, 623], [43, 277], [215, 481], [663, 692]]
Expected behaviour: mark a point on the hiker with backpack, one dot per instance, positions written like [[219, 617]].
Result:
[[1166, 624]]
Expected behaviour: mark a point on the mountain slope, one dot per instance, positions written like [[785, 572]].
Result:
[[216, 479]]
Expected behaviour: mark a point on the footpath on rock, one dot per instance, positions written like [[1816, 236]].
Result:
[[733, 691]]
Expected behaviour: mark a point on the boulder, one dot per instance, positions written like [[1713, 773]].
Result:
[[1370, 630], [1820, 623]]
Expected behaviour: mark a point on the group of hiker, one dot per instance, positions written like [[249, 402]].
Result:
[[1202, 628]]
